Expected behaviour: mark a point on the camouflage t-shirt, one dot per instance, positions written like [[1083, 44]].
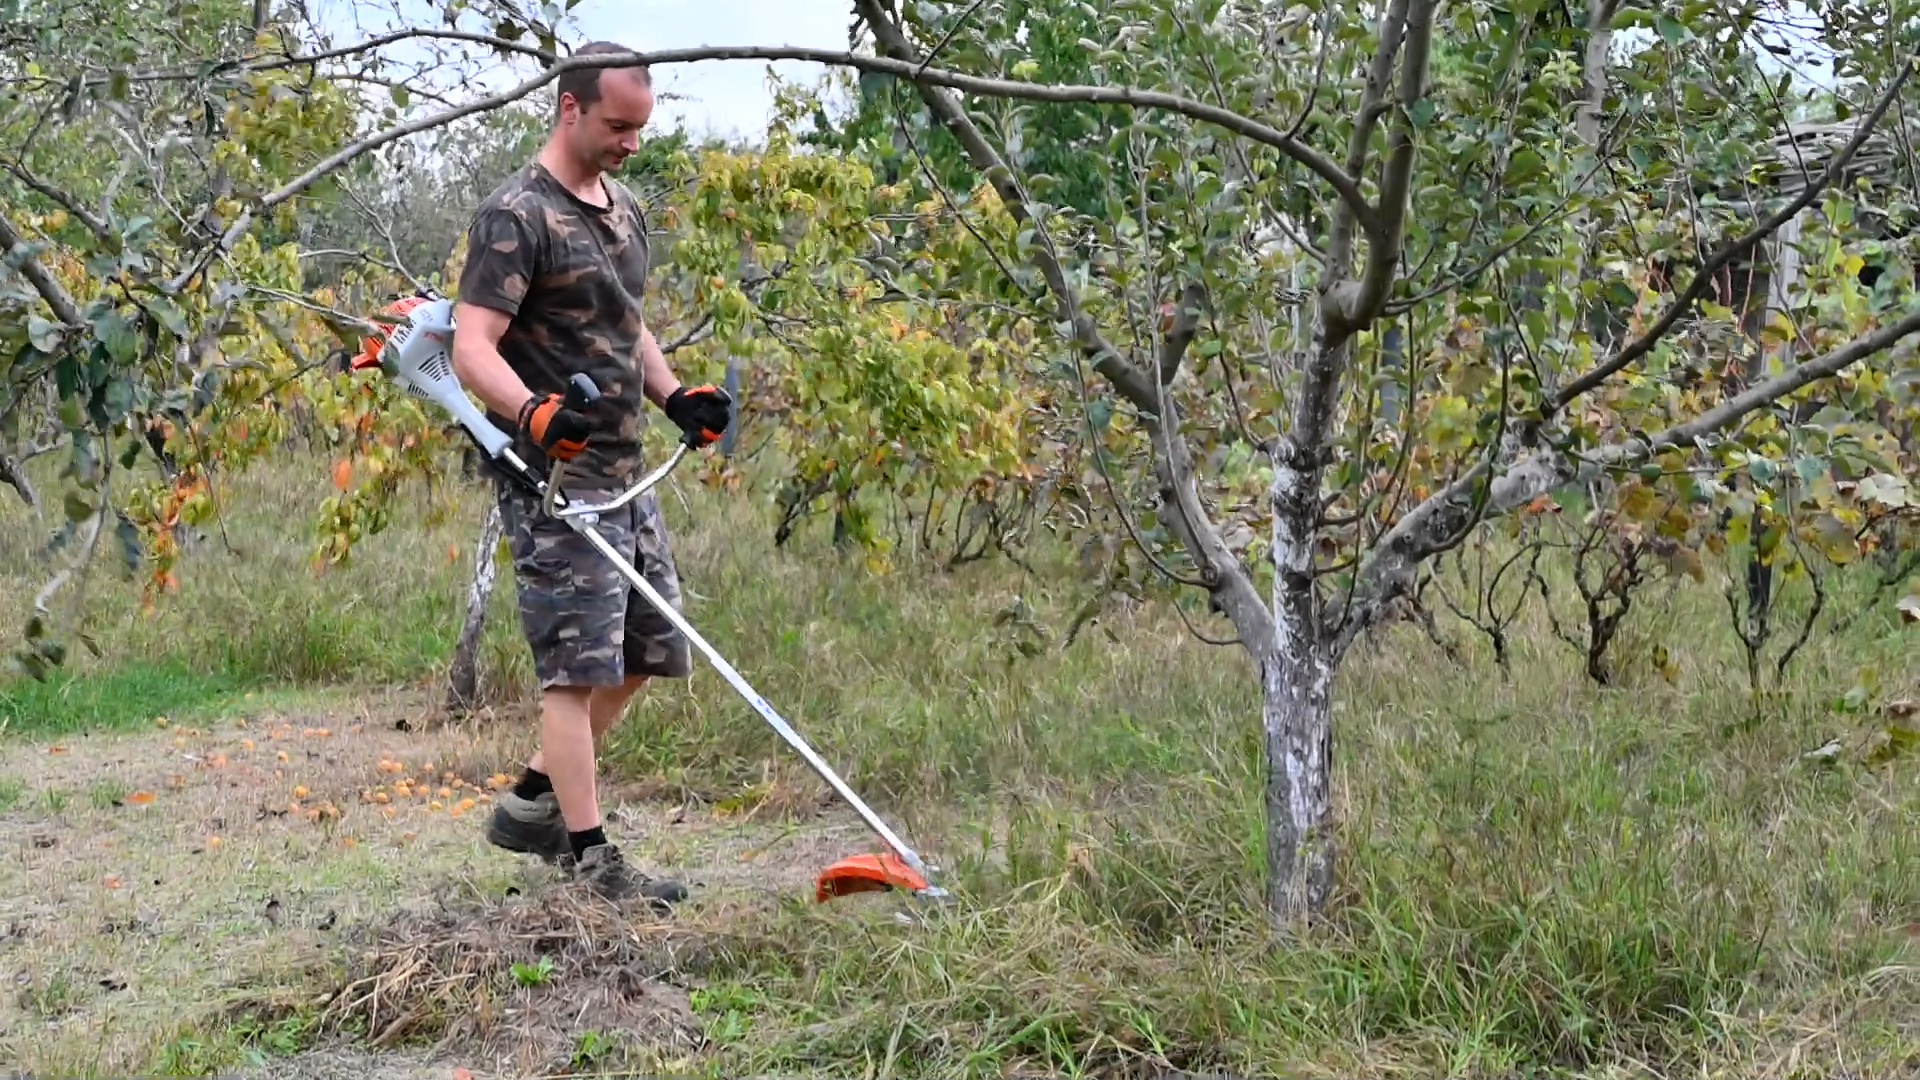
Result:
[[571, 274]]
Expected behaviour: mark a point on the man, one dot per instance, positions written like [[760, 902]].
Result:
[[557, 260]]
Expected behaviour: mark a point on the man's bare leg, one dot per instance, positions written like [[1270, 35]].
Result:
[[604, 706], [539, 812], [566, 754]]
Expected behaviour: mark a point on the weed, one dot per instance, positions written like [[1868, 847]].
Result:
[[538, 973]]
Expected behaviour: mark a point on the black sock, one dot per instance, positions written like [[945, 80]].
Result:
[[585, 839], [532, 785]]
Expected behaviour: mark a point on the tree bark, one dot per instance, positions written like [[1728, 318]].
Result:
[[1296, 682], [14, 474], [463, 678]]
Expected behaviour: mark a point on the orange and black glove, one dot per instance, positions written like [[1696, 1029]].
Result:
[[703, 412], [558, 431]]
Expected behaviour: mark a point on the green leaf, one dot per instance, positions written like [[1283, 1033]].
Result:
[[43, 333], [113, 331], [116, 399], [169, 314], [1672, 30], [1525, 164], [400, 95], [1809, 468], [77, 507]]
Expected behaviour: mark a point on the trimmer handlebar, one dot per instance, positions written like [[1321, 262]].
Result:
[[581, 392]]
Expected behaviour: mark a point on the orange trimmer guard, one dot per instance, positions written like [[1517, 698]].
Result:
[[866, 873]]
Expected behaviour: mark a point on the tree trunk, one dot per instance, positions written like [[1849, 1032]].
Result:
[[463, 679], [1296, 684], [1298, 715]]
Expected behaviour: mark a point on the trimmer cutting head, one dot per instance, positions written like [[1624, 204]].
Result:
[[873, 873]]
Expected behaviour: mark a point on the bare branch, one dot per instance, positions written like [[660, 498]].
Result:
[[79, 564], [67, 202], [1763, 394], [274, 62], [1342, 182], [1185, 324], [1396, 174], [14, 474]]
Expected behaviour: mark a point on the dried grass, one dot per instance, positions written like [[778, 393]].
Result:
[[454, 978]]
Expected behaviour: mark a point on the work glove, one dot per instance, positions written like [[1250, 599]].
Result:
[[703, 412], [559, 432]]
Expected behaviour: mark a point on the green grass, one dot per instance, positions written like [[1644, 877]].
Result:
[[1537, 875], [115, 698]]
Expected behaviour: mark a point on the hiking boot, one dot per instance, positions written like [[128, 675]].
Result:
[[604, 870], [529, 826]]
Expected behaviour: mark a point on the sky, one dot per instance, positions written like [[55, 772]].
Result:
[[721, 97], [728, 97]]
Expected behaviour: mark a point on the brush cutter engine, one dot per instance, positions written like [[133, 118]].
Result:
[[414, 345]]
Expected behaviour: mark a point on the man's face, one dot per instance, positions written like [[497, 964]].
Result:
[[603, 135]]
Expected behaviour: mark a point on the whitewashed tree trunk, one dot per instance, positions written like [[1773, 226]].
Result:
[[463, 678], [1296, 685]]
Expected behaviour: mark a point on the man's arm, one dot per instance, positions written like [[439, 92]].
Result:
[[658, 379], [502, 258], [477, 360], [703, 412]]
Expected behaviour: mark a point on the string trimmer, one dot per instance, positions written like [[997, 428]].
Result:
[[417, 352]]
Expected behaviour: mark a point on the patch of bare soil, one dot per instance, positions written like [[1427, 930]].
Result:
[[329, 861]]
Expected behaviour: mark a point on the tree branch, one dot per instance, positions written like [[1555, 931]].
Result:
[[272, 62], [1396, 174], [1222, 573], [1388, 571], [1183, 325], [67, 202], [1703, 277], [1343, 183], [55, 294], [14, 474]]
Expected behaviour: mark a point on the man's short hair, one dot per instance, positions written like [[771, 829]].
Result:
[[584, 83]]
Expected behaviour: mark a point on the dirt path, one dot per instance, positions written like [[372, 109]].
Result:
[[157, 884]]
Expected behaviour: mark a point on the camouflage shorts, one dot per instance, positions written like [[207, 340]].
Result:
[[585, 622]]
